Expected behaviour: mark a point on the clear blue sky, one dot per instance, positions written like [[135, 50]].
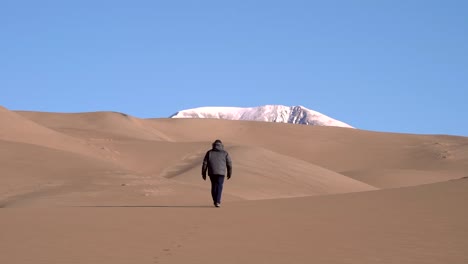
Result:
[[395, 66]]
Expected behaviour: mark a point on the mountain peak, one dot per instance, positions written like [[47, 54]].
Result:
[[267, 113]]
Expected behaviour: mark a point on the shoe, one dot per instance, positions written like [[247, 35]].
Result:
[[217, 204]]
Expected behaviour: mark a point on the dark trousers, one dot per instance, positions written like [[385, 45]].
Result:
[[217, 182]]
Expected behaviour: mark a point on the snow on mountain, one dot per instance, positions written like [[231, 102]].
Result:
[[267, 113]]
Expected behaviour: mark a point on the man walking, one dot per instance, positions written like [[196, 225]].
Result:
[[216, 161]]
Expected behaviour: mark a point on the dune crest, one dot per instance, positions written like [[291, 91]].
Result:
[[16, 128], [97, 125]]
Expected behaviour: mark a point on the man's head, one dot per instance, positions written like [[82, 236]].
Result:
[[217, 144]]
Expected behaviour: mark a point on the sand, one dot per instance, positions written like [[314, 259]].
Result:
[[106, 187]]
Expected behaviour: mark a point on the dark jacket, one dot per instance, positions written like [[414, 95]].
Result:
[[217, 160]]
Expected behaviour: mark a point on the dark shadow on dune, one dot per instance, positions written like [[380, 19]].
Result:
[[459, 179], [146, 206]]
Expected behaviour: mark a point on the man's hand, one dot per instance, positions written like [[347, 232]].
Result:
[[204, 177], [229, 177]]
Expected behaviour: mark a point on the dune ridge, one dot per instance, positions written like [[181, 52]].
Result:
[[96, 125]]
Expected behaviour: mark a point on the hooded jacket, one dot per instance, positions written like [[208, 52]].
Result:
[[217, 160]]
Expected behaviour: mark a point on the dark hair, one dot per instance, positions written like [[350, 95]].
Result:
[[217, 141]]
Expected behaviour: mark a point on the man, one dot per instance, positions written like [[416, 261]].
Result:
[[216, 161]]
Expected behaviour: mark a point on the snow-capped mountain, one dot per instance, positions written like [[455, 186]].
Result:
[[267, 113]]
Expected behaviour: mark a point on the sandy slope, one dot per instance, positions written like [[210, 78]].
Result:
[[110, 188], [263, 174], [31, 173], [345, 151], [424, 224], [16, 128], [96, 125]]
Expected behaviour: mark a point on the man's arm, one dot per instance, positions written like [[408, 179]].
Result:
[[205, 165], [228, 165]]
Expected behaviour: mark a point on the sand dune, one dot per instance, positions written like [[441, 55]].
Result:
[[16, 128], [342, 150], [263, 174], [97, 125], [339, 149], [271, 160], [401, 178], [31, 173], [106, 187]]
